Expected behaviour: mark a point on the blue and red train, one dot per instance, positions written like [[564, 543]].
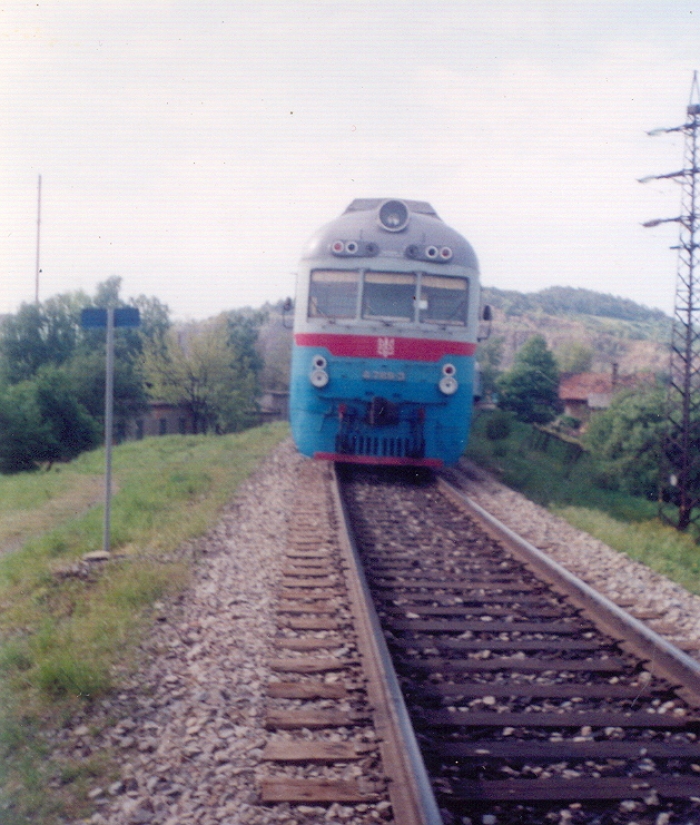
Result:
[[385, 330]]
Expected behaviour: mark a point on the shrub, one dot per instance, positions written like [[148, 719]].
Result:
[[498, 426]]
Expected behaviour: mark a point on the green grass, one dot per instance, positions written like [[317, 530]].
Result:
[[549, 476], [567, 488], [62, 636], [660, 547]]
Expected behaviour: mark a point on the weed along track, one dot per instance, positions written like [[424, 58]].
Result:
[[524, 710]]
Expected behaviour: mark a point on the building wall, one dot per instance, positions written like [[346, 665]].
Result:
[[160, 419]]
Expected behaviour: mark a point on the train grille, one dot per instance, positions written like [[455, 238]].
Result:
[[380, 446]]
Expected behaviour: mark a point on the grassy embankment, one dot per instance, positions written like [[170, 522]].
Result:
[[568, 489], [63, 636]]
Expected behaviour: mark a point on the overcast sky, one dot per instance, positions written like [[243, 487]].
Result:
[[191, 148]]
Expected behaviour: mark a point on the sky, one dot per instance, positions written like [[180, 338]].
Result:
[[191, 148]]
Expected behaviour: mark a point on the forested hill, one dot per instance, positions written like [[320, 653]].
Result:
[[567, 300], [580, 322]]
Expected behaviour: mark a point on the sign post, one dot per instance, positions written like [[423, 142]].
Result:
[[109, 318]]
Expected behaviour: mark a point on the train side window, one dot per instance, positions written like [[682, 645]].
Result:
[[333, 293], [389, 295], [444, 300]]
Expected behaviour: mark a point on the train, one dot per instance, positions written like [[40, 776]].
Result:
[[385, 329]]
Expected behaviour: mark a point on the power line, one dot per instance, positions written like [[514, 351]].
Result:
[[679, 487]]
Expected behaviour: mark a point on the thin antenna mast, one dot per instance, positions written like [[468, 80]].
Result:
[[38, 239]]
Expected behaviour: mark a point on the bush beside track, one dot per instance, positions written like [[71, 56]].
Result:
[[543, 471], [68, 626]]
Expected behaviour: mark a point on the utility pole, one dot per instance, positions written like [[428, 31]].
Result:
[[679, 488], [38, 239], [108, 318]]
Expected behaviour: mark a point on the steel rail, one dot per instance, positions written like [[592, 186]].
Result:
[[661, 656], [410, 790]]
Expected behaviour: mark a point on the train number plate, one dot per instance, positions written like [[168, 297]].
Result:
[[383, 375]]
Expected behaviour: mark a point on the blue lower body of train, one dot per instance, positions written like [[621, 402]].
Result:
[[376, 411]]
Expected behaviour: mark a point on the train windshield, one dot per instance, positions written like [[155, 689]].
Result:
[[389, 295], [333, 293], [443, 300]]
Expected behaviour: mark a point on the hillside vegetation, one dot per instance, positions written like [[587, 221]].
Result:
[[614, 330]]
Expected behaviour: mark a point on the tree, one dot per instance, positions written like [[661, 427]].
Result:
[[574, 356], [86, 373], [489, 356], [39, 334], [69, 426], [42, 421], [25, 437], [625, 440], [243, 329], [275, 347], [530, 388], [59, 370], [201, 369]]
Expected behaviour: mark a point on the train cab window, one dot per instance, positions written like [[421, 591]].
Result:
[[389, 295], [333, 293], [444, 300]]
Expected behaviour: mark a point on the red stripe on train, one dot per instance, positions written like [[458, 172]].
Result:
[[384, 346]]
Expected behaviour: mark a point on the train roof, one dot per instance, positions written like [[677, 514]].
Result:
[[394, 228], [365, 204]]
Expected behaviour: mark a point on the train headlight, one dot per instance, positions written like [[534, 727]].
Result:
[[393, 215], [448, 385], [319, 378]]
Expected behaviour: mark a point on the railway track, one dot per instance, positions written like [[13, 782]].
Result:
[[323, 749], [524, 710]]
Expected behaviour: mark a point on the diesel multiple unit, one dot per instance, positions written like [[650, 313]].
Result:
[[385, 330]]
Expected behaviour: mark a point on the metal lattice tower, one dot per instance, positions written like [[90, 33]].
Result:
[[679, 489]]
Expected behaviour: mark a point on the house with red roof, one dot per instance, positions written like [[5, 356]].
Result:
[[584, 393]]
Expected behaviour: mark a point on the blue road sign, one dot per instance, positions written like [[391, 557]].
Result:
[[96, 318]]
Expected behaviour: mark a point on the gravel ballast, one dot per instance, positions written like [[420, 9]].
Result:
[[191, 724], [624, 581], [188, 728]]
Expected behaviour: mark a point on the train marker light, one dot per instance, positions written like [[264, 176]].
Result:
[[428, 253], [354, 249]]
